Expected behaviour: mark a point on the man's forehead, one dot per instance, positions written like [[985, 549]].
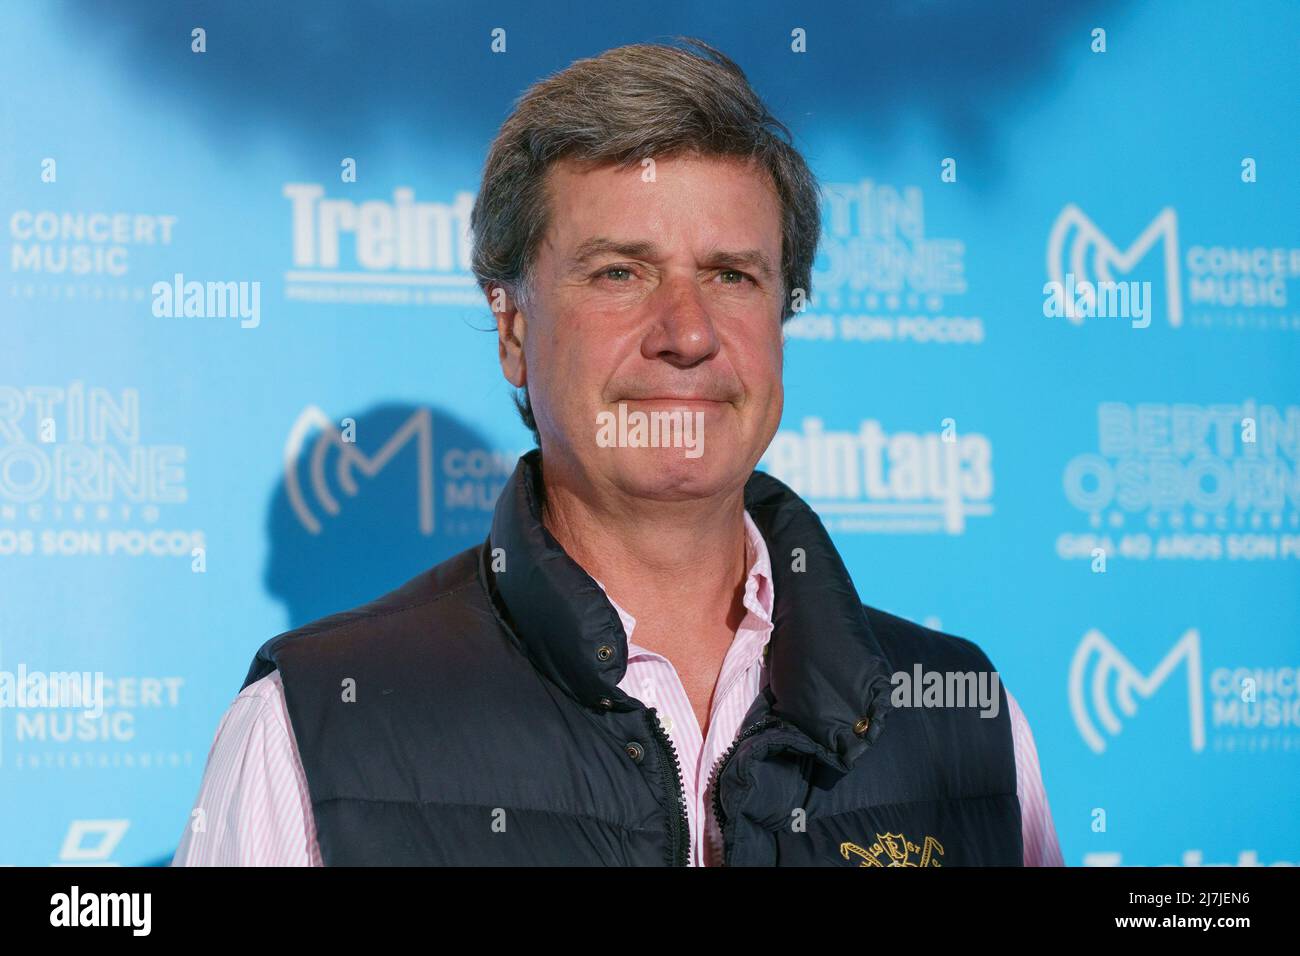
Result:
[[577, 232]]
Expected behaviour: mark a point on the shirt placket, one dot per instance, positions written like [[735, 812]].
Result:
[[697, 754], [654, 673]]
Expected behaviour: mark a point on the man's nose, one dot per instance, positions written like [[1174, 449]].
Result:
[[682, 330]]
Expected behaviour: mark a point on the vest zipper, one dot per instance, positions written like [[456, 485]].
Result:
[[721, 763], [679, 826]]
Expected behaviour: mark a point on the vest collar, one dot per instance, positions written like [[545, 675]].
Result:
[[826, 669]]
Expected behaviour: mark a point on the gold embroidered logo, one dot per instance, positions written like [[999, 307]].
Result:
[[894, 849]]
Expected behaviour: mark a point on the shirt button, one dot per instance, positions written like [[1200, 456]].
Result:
[[666, 723]]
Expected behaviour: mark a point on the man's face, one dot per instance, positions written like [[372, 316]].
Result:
[[662, 296]]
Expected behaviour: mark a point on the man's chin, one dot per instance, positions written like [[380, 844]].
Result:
[[676, 473]]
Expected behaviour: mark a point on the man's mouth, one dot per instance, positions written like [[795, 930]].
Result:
[[694, 404]]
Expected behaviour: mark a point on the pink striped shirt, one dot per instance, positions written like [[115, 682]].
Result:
[[256, 810]]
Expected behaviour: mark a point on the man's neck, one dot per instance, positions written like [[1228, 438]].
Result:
[[678, 567]]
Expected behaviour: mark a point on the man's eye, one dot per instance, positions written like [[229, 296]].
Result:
[[605, 272], [735, 272]]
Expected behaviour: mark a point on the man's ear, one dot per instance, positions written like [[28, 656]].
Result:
[[511, 329]]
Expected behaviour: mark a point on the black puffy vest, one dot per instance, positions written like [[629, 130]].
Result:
[[473, 717]]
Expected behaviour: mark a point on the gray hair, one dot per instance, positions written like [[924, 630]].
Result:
[[627, 104]]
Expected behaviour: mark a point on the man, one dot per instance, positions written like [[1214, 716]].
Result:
[[641, 235]]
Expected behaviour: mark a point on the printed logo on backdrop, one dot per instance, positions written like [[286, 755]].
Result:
[[84, 255], [115, 720], [873, 480], [390, 251], [1252, 707], [92, 842], [78, 477], [368, 498], [1172, 481], [1213, 285], [879, 278], [452, 493], [87, 257]]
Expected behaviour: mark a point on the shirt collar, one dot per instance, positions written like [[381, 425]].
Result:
[[758, 597]]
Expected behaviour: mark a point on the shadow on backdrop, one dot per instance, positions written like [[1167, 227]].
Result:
[[333, 73], [353, 520]]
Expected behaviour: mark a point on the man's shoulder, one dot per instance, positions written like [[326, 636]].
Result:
[[900, 637], [411, 607], [412, 598]]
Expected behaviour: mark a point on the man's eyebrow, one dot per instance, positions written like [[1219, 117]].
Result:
[[599, 245], [589, 249], [754, 259]]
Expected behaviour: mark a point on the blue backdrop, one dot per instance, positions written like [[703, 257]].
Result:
[[1108, 503]]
